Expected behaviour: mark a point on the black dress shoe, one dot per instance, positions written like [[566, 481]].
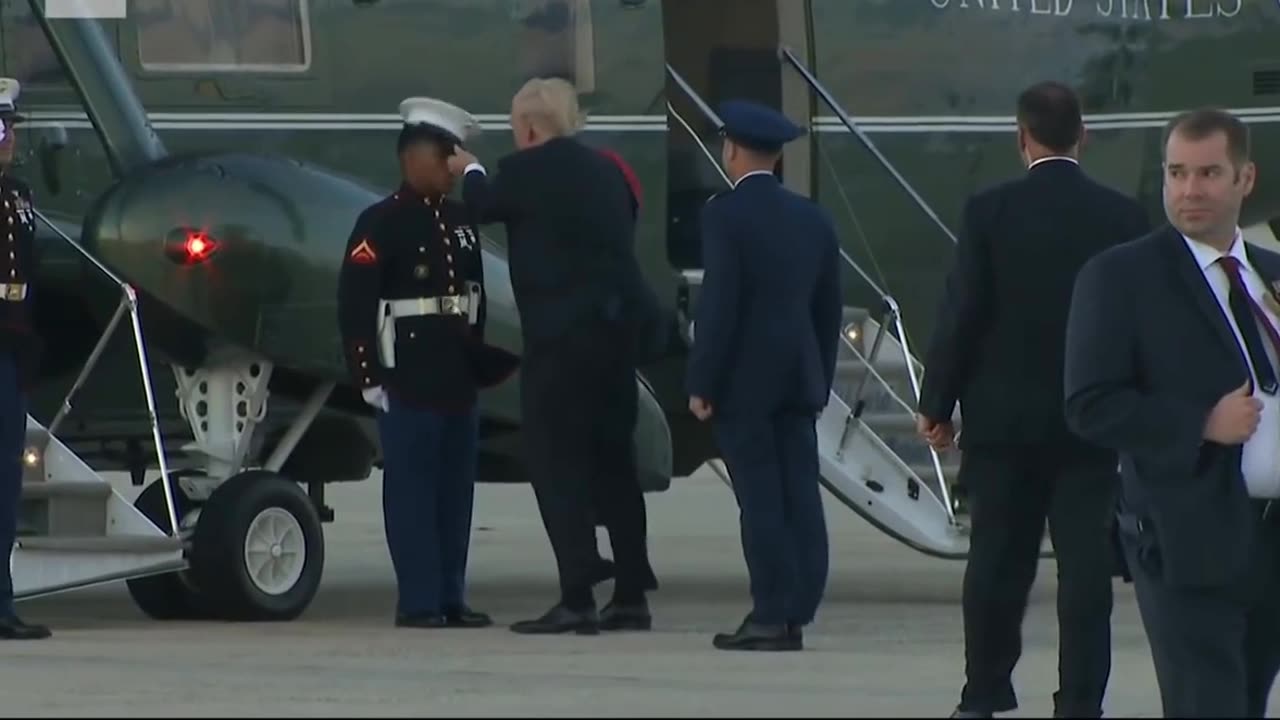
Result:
[[958, 713], [11, 628], [796, 632], [561, 619], [465, 617], [428, 621], [760, 637], [626, 616]]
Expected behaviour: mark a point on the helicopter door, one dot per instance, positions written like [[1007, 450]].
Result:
[[227, 56], [722, 56]]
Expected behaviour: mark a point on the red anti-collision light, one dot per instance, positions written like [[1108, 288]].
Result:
[[198, 247], [190, 247]]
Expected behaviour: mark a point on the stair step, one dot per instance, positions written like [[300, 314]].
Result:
[[103, 544], [52, 489]]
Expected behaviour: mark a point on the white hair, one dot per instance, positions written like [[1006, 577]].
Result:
[[551, 104]]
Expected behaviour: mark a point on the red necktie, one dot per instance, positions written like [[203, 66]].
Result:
[[1248, 317]]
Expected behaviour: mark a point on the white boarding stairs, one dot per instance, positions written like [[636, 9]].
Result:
[[861, 451], [75, 529], [910, 501]]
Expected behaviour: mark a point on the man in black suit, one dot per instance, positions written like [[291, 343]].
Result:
[[1171, 360], [570, 224], [997, 349]]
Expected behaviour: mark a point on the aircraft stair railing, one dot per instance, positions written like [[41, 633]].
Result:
[[786, 54], [75, 529], [857, 465]]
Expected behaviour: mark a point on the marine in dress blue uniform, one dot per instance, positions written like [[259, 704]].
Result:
[[412, 311], [763, 360], [18, 349]]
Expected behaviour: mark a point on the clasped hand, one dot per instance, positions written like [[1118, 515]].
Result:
[[938, 435], [1235, 417]]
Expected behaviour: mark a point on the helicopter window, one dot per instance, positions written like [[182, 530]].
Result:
[[557, 40], [226, 35]]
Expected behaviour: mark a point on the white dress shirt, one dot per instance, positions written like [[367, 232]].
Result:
[[1260, 462], [738, 182], [1053, 157]]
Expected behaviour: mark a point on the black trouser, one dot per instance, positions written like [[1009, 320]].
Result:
[[1012, 493], [578, 400], [1216, 650], [773, 463]]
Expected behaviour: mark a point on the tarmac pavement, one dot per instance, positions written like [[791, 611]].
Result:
[[887, 643]]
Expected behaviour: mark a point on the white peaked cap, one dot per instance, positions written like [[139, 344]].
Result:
[[438, 113], [9, 91]]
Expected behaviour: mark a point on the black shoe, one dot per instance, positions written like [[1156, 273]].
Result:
[[428, 621], [759, 637], [11, 628], [756, 636], [958, 713], [795, 631], [465, 617], [626, 616], [561, 619]]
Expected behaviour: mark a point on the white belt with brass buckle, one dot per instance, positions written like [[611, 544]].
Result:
[[13, 292], [444, 305]]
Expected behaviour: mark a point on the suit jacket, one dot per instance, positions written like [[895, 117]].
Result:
[[999, 340], [767, 321], [1149, 354], [570, 234]]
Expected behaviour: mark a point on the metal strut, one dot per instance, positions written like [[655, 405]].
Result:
[[129, 302]]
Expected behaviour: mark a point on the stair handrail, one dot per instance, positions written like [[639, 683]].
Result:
[[786, 54], [129, 303], [892, 314]]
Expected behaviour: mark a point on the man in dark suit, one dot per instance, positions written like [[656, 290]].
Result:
[[763, 360], [997, 350], [570, 223], [1171, 360]]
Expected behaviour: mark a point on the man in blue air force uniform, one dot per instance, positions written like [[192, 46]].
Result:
[[18, 349], [412, 312], [761, 369]]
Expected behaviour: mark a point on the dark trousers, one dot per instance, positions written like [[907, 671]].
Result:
[[578, 401], [13, 433], [1012, 493], [1216, 650], [773, 464], [428, 489]]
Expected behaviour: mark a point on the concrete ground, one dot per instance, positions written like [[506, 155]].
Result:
[[888, 642]]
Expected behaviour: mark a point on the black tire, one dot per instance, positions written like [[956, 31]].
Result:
[[218, 549], [170, 596]]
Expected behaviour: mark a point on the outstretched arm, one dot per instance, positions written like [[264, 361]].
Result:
[[488, 200]]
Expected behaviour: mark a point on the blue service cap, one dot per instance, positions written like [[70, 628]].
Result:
[[757, 126]]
